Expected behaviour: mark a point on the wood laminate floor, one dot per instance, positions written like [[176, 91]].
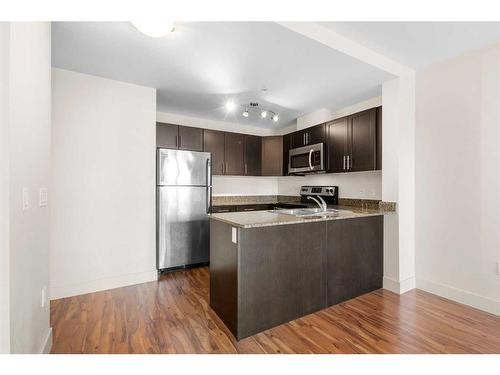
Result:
[[173, 316]]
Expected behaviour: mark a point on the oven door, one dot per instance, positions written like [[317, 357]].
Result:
[[307, 159]]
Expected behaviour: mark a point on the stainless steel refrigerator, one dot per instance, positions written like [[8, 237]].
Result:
[[183, 201]]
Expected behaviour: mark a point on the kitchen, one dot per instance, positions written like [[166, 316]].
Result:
[[263, 187]]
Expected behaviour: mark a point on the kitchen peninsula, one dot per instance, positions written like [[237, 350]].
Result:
[[267, 267]]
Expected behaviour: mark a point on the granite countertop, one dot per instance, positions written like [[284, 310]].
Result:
[[255, 219]]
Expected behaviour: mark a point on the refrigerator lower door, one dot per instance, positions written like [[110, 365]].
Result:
[[183, 226]]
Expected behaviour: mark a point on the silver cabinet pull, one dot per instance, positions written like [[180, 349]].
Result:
[[304, 139], [176, 142], [246, 168], [307, 138], [343, 167], [180, 141], [348, 159], [249, 209]]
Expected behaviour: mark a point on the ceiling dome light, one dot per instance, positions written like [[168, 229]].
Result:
[[276, 118], [154, 28], [230, 106], [245, 113], [263, 114]]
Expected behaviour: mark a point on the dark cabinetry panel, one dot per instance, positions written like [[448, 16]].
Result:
[[213, 141], [272, 156], [234, 154], [166, 135], [309, 136], [253, 155], [287, 145], [379, 138], [354, 257], [363, 141], [190, 138], [179, 137], [337, 145]]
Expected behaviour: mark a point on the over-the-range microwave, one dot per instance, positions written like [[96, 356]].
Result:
[[306, 160]]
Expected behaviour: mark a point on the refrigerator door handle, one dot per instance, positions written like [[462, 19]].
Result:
[[209, 199], [208, 171]]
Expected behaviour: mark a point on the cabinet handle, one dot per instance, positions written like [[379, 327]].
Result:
[[180, 141], [307, 138], [249, 209], [246, 168], [176, 143], [343, 167], [304, 139], [348, 160]]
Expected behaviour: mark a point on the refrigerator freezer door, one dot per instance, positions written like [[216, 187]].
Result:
[[183, 226], [187, 168]]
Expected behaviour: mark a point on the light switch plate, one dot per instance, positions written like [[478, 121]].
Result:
[[234, 235], [43, 197], [26, 199]]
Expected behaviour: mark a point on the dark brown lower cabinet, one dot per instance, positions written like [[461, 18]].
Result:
[[354, 256], [271, 275]]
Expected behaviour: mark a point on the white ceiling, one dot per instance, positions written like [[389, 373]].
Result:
[[201, 65], [418, 44]]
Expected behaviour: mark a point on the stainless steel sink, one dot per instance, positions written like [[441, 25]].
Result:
[[307, 212]]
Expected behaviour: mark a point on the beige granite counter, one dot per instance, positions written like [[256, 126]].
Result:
[[255, 219]]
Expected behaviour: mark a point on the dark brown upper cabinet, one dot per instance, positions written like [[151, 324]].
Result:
[[353, 143], [190, 138], [309, 136], [167, 135], [337, 145], [253, 155], [213, 141], [379, 138], [287, 144], [179, 137], [234, 154], [362, 141], [272, 156]]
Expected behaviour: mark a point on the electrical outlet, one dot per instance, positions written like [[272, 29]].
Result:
[[43, 197], [26, 199], [234, 235], [44, 297]]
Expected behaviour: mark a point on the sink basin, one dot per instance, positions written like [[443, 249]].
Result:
[[315, 212]]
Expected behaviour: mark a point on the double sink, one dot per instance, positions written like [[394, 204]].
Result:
[[308, 213]]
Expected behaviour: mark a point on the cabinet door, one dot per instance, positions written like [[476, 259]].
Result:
[[379, 138], [298, 139], [167, 135], [213, 141], [253, 155], [337, 145], [362, 142], [234, 150], [272, 156], [316, 134], [287, 144], [190, 138]]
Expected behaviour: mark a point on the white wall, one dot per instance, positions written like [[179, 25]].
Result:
[[103, 199], [236, 185], [365, 185], [458, 179], [29, 148], [4, 189]]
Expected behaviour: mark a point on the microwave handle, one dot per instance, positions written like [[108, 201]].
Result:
[[310, 160]]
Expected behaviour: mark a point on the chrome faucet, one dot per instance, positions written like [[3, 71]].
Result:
[[321, 202]]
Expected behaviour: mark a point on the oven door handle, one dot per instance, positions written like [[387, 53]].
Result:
[[310, 160]]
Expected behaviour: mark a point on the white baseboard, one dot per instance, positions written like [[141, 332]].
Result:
[[397, 286], [47, 346], [462, 296], [90, 286]]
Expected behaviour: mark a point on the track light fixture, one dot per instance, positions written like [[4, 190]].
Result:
[[264, 113]]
